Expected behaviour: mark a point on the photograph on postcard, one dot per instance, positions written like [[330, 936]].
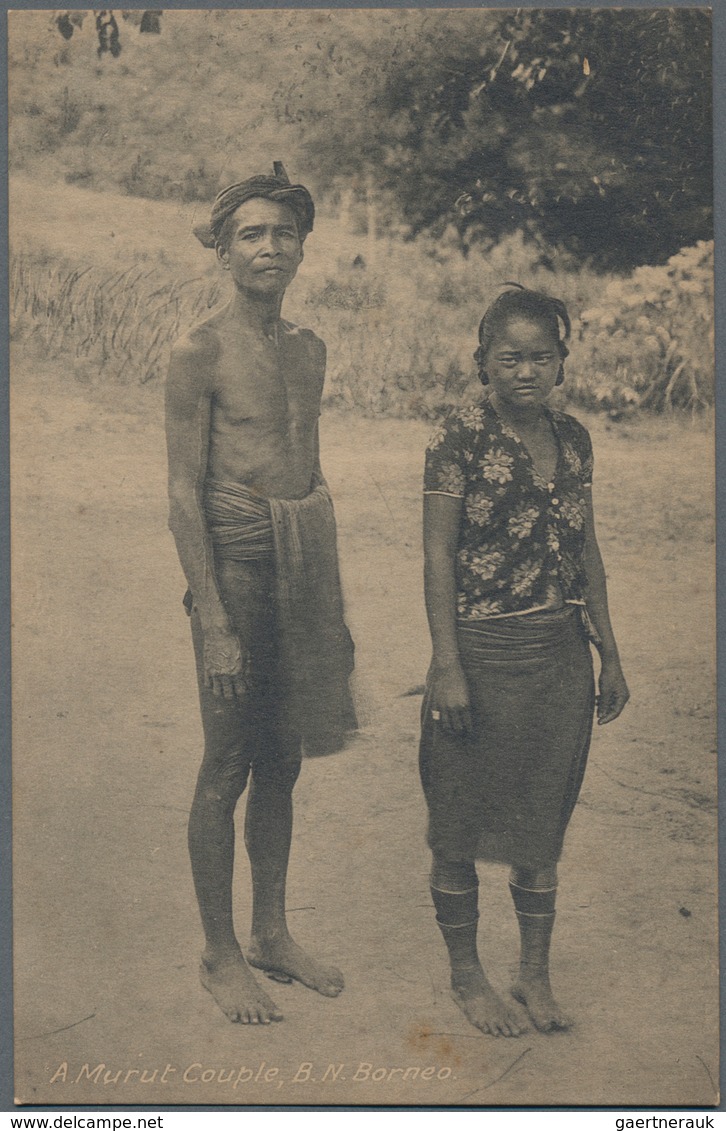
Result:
[[362, 486]]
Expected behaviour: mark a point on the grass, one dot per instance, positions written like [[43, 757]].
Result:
[[118, 323], [399, 318]]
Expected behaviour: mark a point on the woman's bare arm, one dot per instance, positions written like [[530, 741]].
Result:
[[614, 692], [449, 690]]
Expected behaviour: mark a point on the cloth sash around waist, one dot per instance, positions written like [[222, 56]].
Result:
[[239, 522], [524, 638], [298, 536]]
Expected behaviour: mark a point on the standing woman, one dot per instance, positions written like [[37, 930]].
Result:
[[515, 593]]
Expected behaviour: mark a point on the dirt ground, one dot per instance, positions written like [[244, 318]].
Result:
[[107, 742]]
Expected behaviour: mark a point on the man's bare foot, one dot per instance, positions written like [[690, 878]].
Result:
[[533, 990], [481, 1005], [234, 988], [281, 956]]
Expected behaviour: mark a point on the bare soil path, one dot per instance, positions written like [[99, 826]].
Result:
[[107, 741]]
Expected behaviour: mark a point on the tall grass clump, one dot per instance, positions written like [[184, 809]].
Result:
[[119, 323]]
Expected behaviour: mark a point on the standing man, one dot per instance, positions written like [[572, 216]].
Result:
[[254, 527]]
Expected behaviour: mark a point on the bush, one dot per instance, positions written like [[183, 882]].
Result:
[[400, 332], [648, 343]]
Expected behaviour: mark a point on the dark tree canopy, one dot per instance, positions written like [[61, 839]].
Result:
[[588, 129]]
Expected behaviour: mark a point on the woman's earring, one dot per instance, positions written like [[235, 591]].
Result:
[[560, 375], [225, 266], [483, 376]]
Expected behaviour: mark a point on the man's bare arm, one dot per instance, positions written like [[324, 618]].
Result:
[[188, 412], [320, 355]]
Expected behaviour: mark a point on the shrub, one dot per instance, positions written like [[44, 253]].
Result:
[[648, 343], [400, 332]]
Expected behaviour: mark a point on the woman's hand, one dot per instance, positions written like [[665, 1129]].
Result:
[[614, 692], [450, 707]]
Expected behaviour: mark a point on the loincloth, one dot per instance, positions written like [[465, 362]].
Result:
[[298, 536], [239, 523], [507, 791]]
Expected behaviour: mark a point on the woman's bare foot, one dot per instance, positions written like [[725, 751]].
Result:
[[532, 989], [481, 1005], [234, 988], [280, 955]]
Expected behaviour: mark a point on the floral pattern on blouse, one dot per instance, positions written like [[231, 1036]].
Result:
[[521, 537]]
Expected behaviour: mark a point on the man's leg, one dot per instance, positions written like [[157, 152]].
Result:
[[534, 892], [268, 831], [454, 890], [229, 739], [224, 971]]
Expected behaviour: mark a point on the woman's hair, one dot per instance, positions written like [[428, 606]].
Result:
[[521, 303]]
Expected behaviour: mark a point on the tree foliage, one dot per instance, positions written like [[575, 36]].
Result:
[[588, 129]]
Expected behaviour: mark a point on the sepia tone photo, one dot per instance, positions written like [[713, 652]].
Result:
[[363, 557]]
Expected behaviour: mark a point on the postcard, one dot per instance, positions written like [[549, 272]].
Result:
[[354, 760]]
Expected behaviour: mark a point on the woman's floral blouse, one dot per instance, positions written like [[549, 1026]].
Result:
[[521, 538]]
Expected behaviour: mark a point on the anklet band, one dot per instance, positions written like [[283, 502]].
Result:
[[457, 926], [520, 888], [453, 875], [459, 891], [530, 901], [455, 908]]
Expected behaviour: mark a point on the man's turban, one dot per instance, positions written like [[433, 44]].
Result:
[[277, 188]]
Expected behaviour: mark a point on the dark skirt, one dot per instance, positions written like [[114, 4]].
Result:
[[507, 791]]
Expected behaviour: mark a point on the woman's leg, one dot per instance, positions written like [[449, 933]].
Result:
[[534, 892], [454, 890]]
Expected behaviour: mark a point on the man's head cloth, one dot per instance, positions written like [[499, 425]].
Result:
[[277, 188]]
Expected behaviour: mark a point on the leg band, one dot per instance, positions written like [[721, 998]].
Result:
[[456, 909], [453, 875], [529, 901]]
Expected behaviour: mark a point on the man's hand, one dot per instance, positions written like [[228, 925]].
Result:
[[614, 692], [450, 706], [225, 664]]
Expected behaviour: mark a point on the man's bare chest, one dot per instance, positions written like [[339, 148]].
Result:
[[266, 387]]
